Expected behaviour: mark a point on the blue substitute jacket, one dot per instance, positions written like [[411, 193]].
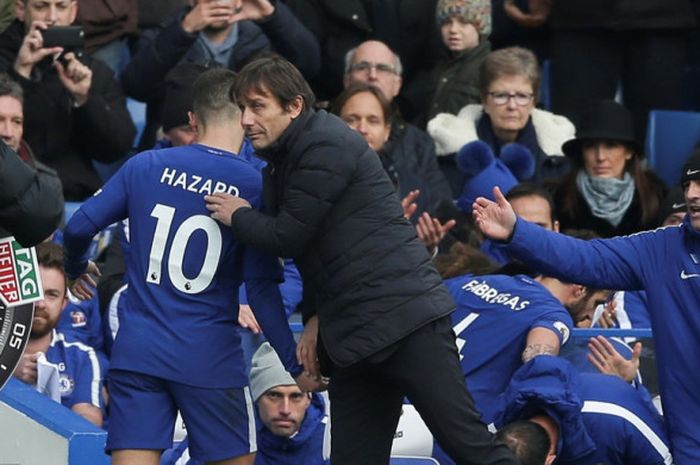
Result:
[[601, 418], [666, 264]]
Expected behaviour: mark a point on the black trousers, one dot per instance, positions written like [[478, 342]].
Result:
[[366, 401], [588, 64]]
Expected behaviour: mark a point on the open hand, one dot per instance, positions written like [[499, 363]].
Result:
[[495, 219], [609, 361], [223, 206]]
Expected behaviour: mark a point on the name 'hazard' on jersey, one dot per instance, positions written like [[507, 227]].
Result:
[[494, 315], [184, 268]]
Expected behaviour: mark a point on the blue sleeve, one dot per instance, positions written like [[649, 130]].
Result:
[[602, 263], [291, 288], [558, 321], [264, 298], [107, 206]]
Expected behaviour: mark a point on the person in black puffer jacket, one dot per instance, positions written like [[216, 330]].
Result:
[[383, 312]]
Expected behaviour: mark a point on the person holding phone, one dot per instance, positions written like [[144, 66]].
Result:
[[75, 111]]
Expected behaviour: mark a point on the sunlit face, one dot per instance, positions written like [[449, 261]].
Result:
[[376, 65], [364, 114], [282, 409], [535, 209], [605, 158], [264, 119], [182, 135], [51, 12], [48, 310], [692, 200], [458, 35], [11, 121], [509, 117]]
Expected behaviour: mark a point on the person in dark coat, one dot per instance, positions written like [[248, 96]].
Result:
[[608, 191], [382, 310], [75, 111], [601, 46], [213, 31], [405, 26]]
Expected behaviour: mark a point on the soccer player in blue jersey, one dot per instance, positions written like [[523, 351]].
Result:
[[590, 418], [177, 347], [664, 262], [79, 371]]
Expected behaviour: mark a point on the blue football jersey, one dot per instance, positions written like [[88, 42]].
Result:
[[494, 315], [80, 377], [184, 268]]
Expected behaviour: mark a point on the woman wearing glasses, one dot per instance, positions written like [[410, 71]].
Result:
[[509, 82]]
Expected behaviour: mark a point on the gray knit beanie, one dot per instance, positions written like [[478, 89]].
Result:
[[267, 372]]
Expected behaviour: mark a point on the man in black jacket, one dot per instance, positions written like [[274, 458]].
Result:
[[75, 111], [383, 312]]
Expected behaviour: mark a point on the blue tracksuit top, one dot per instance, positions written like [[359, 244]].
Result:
[[666, 264], [602, 419]]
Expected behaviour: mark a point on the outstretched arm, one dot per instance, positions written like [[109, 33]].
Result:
[[495, 219]]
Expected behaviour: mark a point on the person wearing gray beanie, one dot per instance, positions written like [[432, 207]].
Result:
[[267, 372]]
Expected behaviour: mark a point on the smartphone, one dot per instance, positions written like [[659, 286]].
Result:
[[71, 38]]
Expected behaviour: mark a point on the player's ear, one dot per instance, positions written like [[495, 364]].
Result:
[[192, 120]]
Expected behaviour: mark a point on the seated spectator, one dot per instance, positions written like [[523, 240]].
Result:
[[465, 26], [33, 193], [292, 426], [80, 382], [408, 148], [75, 111], [608, 190], [672, 209], [590, 418], [211, 30], [365, 108], [509, 82], [532, 202]]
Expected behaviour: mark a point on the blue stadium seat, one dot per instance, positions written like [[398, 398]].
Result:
[[405, 460], [671, 136]]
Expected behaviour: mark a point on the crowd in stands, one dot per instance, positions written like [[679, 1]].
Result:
[[546, 99]]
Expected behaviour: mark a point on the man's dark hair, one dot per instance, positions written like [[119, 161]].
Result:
[[211, 96], [271, 74], [529, 441], [50, 255], [529, 189], [358, 88], [10, 88]]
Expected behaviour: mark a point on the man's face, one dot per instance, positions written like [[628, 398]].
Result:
[[364, 114], [692, 199], [282, 409], [51, 12], [264, 119], [535, 209], [583, 309], [48, 310], [374, 63], [11, 120]]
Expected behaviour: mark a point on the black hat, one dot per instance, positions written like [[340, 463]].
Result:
[[178, 93], [691, 169], [674, 202], [603, 120]]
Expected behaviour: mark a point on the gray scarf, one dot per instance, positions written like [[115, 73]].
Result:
[[608, 198]]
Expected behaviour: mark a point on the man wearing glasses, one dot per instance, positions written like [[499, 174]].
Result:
[[409, 148]]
